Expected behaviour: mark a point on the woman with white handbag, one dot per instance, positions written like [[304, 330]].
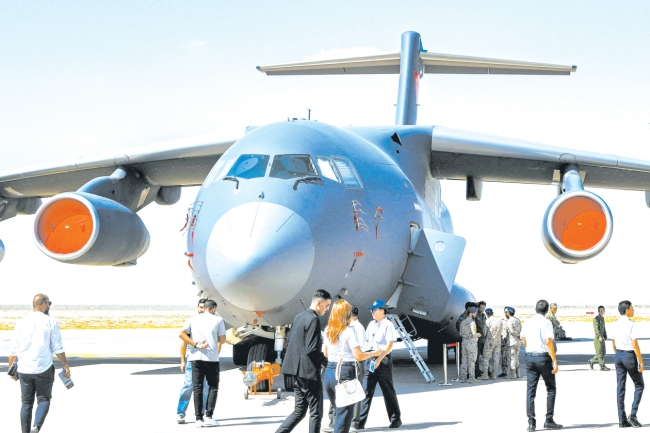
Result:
[[342, 351]]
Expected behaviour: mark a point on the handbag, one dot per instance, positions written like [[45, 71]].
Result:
[[13, 371], [350, 391]]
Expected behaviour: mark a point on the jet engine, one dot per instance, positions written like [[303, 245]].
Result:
[[86, 229], [577, 226]]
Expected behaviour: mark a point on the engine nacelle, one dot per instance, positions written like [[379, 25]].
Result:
[[86, 229], [577, 226]]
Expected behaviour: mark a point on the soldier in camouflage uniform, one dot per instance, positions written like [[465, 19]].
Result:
[[492, 349], [556, 324], [514, 343], [599, 340], [505, 352], [470, 342]]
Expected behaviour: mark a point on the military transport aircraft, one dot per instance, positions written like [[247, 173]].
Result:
[[300, 205]]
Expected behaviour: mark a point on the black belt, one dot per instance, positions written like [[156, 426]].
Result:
[[538, 354], [624, 351], [345, 363]]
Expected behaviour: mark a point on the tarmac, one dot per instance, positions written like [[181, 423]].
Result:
[[129, 381]]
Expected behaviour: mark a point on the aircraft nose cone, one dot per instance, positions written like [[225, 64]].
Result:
[[260, 255]]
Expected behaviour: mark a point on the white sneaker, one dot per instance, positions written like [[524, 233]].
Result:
[[181, 418], [34, 430], [211, 422], [199, 423]]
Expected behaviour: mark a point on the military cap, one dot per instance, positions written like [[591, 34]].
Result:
[[472, 310], [553, 305], [488, 309], [511, 310]]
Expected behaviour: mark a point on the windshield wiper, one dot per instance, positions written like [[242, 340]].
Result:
[[234, 179], [305, 179]]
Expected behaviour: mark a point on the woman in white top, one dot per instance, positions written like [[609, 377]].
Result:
[[341, 344]]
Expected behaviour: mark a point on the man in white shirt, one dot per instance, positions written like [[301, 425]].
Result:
[[208, 333], [186, 367], [380, 336], [537, 336], [625, 337], [37, 339]]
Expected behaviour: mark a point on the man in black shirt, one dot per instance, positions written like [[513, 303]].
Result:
[[480, 320], [304, 360]]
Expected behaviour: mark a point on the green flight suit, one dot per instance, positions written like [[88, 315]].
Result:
[[556, 324], [601, 332]]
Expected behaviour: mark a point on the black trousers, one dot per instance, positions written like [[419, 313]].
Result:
[[626, 363], [383, 375], [537, 366], [41, 386], [205, 370], [309, 395]]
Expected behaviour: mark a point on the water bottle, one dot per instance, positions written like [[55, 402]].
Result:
[[66, 381], [372, 365]]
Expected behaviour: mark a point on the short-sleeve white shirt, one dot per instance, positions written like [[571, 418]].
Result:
[[623, 331], [360, 331], [536, 330], [208, 327], [343, 347], [380, 334], [36, 339]]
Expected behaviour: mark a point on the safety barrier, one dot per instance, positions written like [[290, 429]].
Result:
[[445, 355]]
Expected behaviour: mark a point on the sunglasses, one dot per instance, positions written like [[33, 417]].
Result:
[[47, 302]]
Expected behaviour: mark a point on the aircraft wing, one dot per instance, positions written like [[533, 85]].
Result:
[[460, 154], [184, 162]]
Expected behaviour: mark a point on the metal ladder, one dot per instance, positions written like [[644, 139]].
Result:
[[413, 351]]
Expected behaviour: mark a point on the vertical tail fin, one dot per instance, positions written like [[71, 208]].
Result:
[[411, 63]]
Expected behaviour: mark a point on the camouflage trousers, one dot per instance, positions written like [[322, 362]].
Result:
[[514, 358], [492, 352], [470, 353], [505, 356]]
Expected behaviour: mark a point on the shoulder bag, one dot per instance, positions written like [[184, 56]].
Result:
[[350, 391]]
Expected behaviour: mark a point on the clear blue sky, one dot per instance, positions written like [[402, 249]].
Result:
[[78, 78]]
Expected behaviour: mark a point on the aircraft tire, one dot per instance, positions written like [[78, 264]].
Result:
[[434, 352], [288, 382], [258, 353], [240, 353]]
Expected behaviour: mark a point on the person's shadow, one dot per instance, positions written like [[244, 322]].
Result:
[[415, 426]]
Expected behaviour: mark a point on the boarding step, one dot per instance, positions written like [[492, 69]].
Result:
[[413, 351]]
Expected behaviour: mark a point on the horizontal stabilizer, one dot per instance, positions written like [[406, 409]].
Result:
[[432, 63]]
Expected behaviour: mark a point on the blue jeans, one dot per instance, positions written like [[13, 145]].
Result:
[[626, 363], [344, 415], [41, 385], [186, 391]]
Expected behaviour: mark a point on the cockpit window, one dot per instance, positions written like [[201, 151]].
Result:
[[219, 170], [249, 166], [348, 173], [291, 166], [327, 168]]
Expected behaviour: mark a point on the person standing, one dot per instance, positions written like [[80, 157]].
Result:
[[360, 332], [186, 367], [599, 340], [494, 327], [480, 320], [470, 347], [537, 336], [37, 338], [342, 347], [625, 336], [208, 333], [381, 336], [514, 343], [505, 351], [556, 324], [303, 360]]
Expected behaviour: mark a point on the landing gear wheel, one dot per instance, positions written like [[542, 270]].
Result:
[[240, 353], [246, 394], [289, 382], [258, 354], [279, 393]]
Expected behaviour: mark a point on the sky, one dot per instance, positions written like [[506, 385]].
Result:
[[80, 78]]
